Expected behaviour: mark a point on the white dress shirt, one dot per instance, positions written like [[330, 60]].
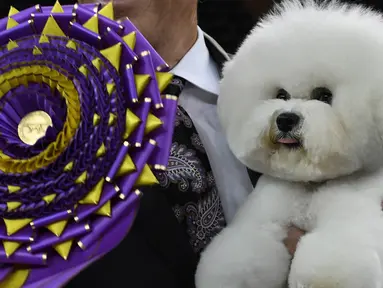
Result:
[[199, 99]]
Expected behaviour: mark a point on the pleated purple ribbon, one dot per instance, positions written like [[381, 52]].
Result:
[[84, 126]]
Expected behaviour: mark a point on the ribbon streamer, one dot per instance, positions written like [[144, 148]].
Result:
[[84, 126]]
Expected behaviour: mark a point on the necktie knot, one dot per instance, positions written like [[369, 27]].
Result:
[[175, 87]]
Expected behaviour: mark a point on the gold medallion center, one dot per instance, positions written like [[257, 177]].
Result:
[[34, 126]]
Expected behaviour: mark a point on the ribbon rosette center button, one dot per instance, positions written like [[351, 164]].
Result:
[[33, 127]]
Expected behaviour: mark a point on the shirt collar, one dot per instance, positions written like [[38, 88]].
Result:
[[198, 68]]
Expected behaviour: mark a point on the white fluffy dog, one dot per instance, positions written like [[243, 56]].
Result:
[[302, 102]]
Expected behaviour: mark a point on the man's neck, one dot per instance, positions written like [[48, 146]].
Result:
[[172, 30], [176, 41]]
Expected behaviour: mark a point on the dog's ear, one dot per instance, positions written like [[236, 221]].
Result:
[[231, 113], [372, 152], [377, 108]]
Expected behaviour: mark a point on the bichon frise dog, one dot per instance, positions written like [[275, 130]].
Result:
[[302, 102]]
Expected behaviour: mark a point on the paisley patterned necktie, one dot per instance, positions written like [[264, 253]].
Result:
[[189, 182]]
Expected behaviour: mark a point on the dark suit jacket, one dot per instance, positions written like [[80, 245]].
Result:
[[156, 253]]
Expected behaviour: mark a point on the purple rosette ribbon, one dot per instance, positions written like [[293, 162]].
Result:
[[83, 125]]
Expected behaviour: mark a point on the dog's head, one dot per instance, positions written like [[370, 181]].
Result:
[[302, 99]]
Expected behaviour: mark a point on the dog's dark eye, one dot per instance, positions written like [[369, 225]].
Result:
[[322, 94], [282, 94]]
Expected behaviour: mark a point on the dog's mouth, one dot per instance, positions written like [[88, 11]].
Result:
[[289, 141]]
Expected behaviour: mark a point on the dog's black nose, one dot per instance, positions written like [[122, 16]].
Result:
[[287, 121]]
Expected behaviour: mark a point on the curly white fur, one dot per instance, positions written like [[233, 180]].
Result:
[[330, 186]]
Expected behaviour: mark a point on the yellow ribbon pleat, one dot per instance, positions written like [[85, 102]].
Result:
[[15, 279]]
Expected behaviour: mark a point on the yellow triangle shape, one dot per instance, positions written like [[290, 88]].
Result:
[[37, 51], [11, 23], [82, 178], [93, 197], [110, 87], [13, 189], [57, 228], [2, 155], [127, 166], [147, 177], [12, 45], [131, 123], [52, 28], [12, 11], [105, 210], [107, 11], [57, 8], [63, 249], [71, 45], [130, 39], [49, 198], [112, 119], [96, 119], [10, 247], [83, 70], [14, 225], [142, 80], [16, 279], [43, 39], [97, 63], [13, 205], [113, 54], [163, 80], [92, 24], [68, 167], [152, 123], [101, 151]]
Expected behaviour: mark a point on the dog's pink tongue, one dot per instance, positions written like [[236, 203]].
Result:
[[287, 141]]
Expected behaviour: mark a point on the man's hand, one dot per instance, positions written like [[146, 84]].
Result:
[[292, 239], [294, 235]]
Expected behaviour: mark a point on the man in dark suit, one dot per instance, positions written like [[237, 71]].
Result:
[[204, 184]]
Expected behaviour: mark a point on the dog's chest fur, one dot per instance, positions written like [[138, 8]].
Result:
[[303, 214], [309, 205]]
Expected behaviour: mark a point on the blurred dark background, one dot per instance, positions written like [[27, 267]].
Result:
[[228, 21]]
